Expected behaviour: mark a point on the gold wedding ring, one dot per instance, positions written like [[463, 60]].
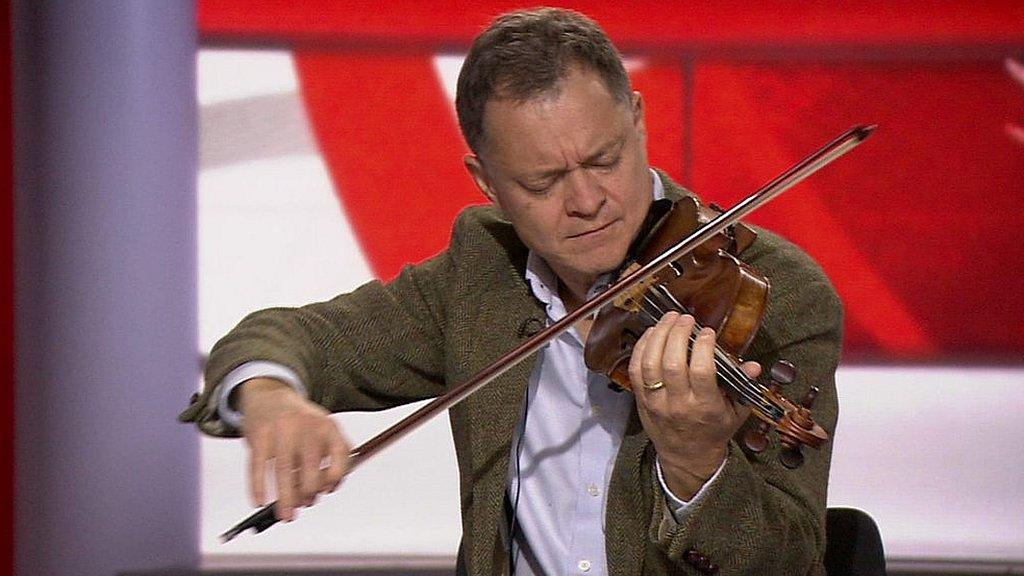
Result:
[[654, 385]]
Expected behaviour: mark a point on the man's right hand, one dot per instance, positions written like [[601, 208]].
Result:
[[308, 451]]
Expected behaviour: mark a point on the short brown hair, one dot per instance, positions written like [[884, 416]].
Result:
[[524, 54]]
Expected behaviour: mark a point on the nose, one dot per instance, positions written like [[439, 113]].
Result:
[[584, 196]]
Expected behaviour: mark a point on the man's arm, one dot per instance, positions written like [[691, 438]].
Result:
[[380, 346]]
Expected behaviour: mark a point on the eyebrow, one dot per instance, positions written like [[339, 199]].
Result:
[[607, 147]]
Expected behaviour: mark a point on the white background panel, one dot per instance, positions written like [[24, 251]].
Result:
[[933, 454]]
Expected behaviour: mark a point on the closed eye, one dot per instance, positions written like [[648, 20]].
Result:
[[606, 162], [537, 188]]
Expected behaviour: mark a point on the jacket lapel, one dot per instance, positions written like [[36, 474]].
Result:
[[629, 503]]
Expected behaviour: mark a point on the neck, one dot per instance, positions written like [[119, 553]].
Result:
[[573, 296]]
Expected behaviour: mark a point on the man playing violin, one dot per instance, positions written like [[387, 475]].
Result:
[[559, 473]]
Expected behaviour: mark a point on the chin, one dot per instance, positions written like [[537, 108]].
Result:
[[605, 265]]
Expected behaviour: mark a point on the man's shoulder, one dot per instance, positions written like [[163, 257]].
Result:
[[485, 242], [483, 215], [802, 298], [781, 260], [485, 224]]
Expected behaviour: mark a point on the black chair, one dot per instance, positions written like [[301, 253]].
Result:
[[854, 545]]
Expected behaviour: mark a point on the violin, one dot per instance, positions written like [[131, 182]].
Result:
[[709, 239], [721, 292]]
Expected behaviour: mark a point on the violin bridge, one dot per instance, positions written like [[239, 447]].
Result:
[[632, 300]]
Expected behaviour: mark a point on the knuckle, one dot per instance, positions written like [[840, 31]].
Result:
[[635, 373], [702, 371], [282, 465], [675, 367]]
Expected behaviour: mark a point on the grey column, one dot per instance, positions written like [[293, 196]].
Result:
[[105, 138]]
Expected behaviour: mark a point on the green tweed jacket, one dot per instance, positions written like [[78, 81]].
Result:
[[441, 321]]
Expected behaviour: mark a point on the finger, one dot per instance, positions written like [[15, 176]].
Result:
[[703, 375], [311, 456], [1015, 132], [751, 369], [284, 476], [742, 409], [674, 361], [739, 406], [258, 455], [636, 374], [338, 448], [650, 364], [1015, 70]]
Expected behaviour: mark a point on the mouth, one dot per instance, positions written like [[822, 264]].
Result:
[[592, 231]]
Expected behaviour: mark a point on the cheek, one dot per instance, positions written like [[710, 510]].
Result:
[[536, 223], [630, 190]]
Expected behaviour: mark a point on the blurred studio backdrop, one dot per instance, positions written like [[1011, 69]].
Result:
[[328, 154]]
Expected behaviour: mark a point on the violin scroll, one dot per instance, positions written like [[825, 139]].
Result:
[[810, 433]]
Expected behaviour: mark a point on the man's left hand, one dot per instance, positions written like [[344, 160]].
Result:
[[689, 419]]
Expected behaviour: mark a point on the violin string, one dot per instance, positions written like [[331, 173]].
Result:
[[729, 378], [757, 387], [675, 304], [730, 367], [729, 372], [732, 373], [728, 375], [751, 390]]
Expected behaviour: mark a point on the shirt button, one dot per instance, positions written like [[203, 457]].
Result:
[[584, 565], [593, 490]]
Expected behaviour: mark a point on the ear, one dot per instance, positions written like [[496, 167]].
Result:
[[638, 117], [638, 110], [479, 175]]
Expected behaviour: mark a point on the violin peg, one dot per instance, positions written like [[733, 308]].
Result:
[[809, 398], [757, 438], [792, 458], [782, 373]]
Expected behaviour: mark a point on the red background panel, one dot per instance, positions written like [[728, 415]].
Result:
[[633, 25], [392, 145], [917, 227]]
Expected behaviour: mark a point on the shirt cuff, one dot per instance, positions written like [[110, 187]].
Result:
[[246, 372], [681, 508]]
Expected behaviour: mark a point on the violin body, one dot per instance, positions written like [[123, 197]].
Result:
[[710, 283]]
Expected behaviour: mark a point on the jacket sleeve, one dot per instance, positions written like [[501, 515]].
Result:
[[377, 347], [759, 517]]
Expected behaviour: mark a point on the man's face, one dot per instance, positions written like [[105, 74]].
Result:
[[569, 169]]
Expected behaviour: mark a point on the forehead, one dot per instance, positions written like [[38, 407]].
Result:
[[578, 116]]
